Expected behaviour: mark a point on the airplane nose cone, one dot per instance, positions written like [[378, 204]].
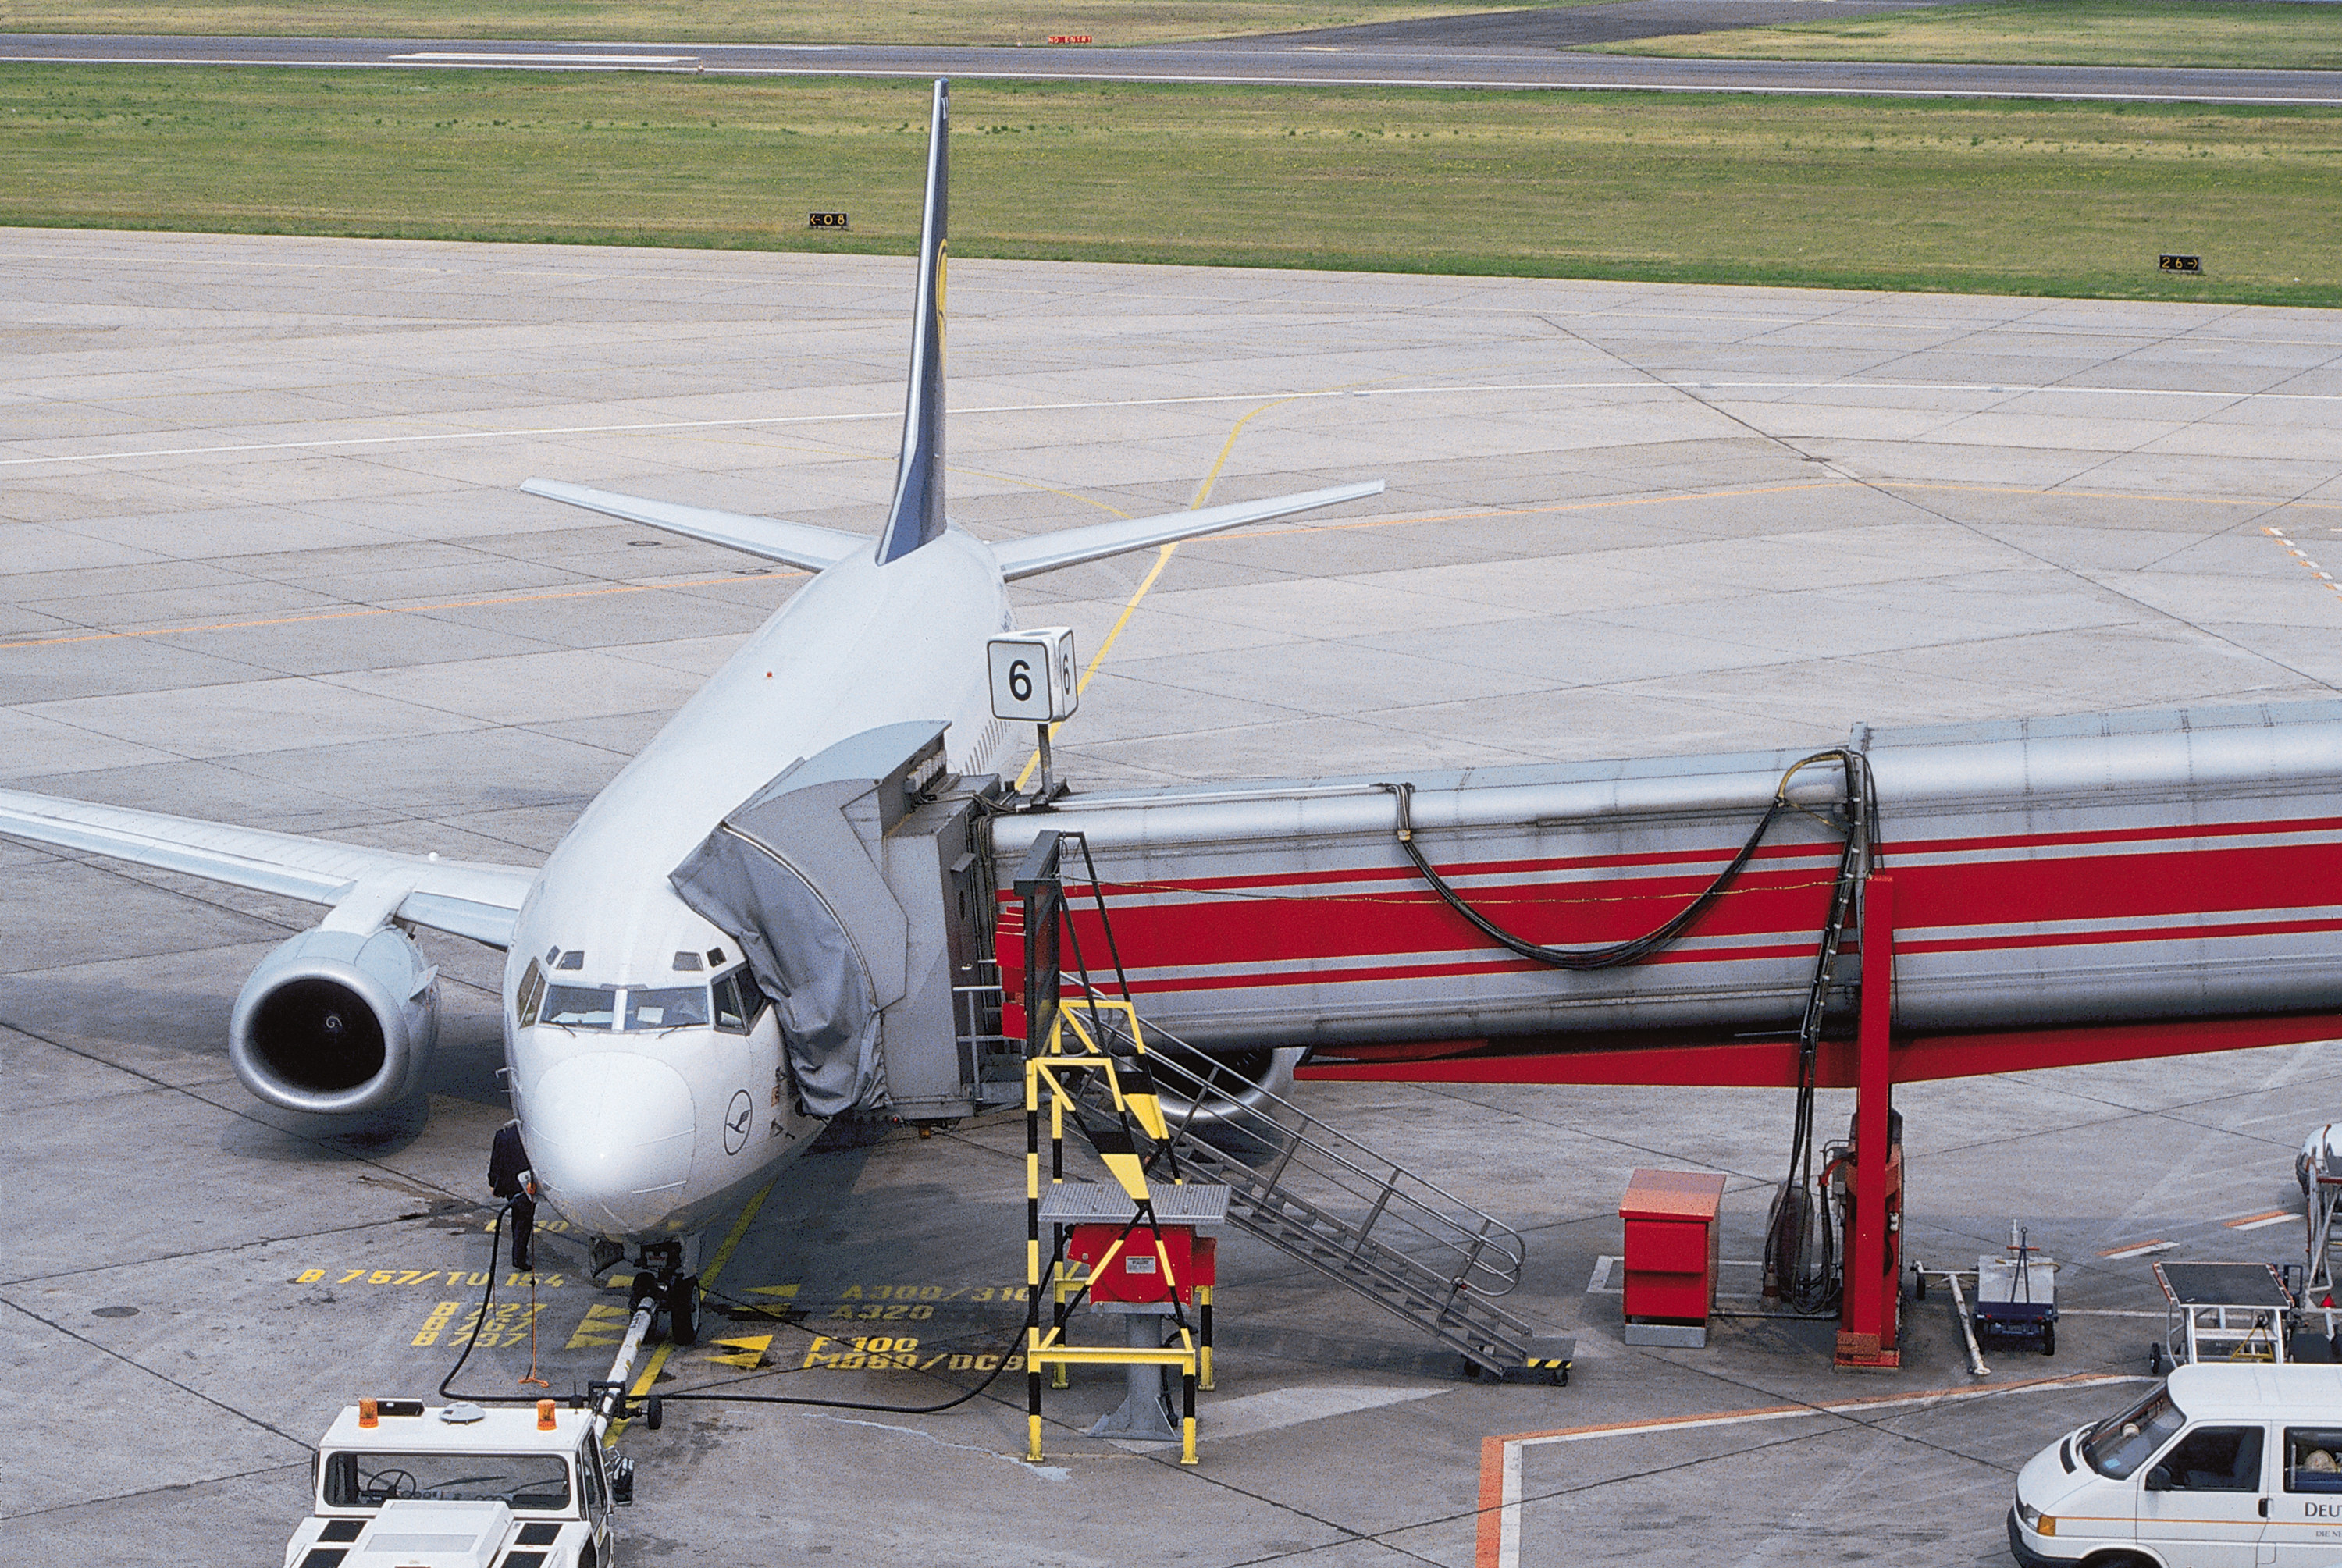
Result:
[[610, 1137]]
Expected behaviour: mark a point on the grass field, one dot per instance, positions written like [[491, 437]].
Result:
[[2037, 198], [2267, 34], [726, 21]]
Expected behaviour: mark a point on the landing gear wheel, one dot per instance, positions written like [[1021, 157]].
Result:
[[682, 1310], [1918, 1286], [2050, 1339], [2155, 1359]]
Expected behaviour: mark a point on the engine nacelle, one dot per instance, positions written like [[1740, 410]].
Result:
[[1209, 1089], [336, 1022]]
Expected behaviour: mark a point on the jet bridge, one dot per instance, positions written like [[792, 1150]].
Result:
[[2017, 896], [2036, 893]]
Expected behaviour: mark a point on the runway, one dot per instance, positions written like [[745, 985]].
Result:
[[1393, 55], [263, 559]]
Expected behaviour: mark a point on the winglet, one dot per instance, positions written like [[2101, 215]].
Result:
[[917, 518]]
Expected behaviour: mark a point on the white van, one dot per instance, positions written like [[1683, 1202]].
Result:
[[2223, 1465]]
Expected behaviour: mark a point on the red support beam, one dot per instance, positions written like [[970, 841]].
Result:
[[1869, 1311]]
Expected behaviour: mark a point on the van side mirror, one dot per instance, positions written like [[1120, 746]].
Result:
[[2157, 1480], [622, 1480]]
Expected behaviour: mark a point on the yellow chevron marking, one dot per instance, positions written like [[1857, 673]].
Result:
[[748, 1350]]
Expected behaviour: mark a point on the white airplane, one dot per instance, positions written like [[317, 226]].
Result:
[[653, 1083]]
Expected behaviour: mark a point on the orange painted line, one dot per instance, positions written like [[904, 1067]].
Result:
[[1489, 1540], [2127, 1248], [356, 614], [1489, 1544], [2259, 1219]]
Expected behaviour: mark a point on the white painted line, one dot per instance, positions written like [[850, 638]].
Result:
[[1500, 1547], [2138, 1250], [1639, 384], [1600, 1285], [2259, 1222], [1279, 1408], [486, 59]]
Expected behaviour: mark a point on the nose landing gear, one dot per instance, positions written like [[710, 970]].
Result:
[[661, 1283]]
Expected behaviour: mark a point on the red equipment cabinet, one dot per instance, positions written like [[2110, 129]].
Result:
[[1672, 1237], [1136, 1274]]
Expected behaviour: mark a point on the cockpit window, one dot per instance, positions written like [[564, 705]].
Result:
[[580, 1006], [666, 1007], [636, 1008], [737, 1001]]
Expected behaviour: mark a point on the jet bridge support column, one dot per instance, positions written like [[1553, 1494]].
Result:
[[1871, 1304]]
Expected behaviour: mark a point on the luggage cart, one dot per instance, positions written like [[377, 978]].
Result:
[[2017, 1297], [2221, 1311]]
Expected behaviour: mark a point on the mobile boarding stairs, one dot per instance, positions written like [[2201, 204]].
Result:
[[1319, 1196]]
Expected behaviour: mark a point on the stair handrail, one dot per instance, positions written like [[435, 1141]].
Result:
[[1487, 1253]]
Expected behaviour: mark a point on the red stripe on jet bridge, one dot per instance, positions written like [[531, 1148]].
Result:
[[1717, 856], [2114, 887], [2114, 935], [1506, 964], [1224, 930], [2109, 835], [1405, 872], [1362, 975]]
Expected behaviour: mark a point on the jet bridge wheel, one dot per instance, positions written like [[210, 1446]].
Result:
[[682, 1310]]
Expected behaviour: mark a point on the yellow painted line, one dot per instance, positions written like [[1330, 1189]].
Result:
[[722, 1255], [1162, 559]]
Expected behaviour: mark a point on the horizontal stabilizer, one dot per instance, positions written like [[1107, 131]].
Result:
[[465, 898], [1096, 542], [791, 543]]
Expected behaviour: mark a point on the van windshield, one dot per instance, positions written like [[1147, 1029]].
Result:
[[530, 1480], [2117, 1448]]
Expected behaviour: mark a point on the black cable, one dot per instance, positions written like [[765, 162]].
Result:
[[1581, 959], [487, 1298], [1006, 1351]]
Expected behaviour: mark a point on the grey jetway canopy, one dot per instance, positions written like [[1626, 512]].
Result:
[[791, 874]]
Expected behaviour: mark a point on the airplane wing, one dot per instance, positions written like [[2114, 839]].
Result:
[[1072, 546], [792, 543], [463, 898]]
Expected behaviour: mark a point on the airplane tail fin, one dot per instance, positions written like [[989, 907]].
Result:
[[917, 518]]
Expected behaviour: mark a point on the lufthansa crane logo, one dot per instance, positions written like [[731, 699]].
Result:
[[738, 1117]]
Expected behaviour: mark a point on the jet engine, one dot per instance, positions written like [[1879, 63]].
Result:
[[336, 1022], [1234, 1088]]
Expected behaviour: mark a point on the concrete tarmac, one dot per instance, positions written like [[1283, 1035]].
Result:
[[1485, 53], [264, 561]]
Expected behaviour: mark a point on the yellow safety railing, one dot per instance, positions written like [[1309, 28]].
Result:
[[1053, 1076]]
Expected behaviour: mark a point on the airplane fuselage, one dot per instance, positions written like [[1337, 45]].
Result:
[[647, 1105]]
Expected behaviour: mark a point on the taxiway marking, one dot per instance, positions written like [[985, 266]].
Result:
[[2259, 1222], [1193, 400], [2301, 556], [1499, 1537]]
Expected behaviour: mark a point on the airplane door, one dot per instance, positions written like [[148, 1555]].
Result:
[[2203, 1502]]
